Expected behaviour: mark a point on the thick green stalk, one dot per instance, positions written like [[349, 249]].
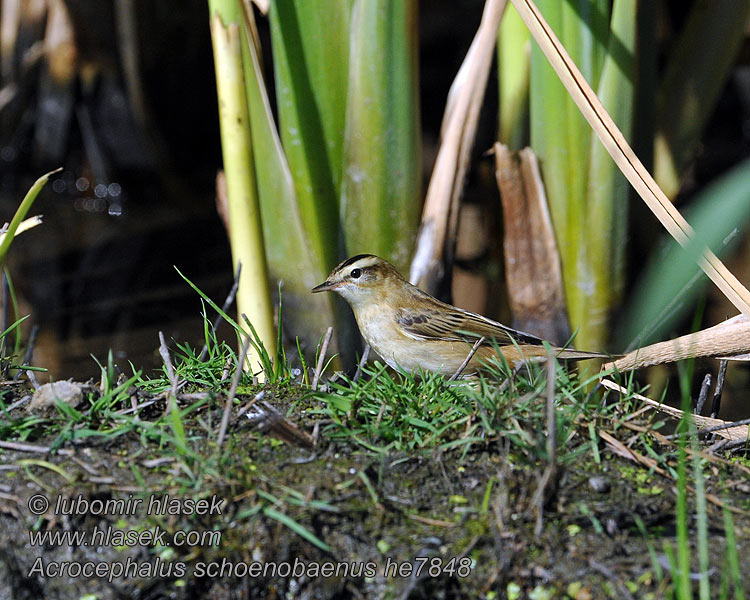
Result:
[[582, 35], [513, 64], [290, 253], [562, 139], [381, 185], [246, 235], [608, 190], [311, 59], [549, 127]]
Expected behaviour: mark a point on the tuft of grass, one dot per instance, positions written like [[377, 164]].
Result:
[[387, 411]]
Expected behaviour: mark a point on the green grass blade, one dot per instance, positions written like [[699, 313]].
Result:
[[733, 562], [380, 197], [175, 422], [700, 514], [14, 306], [14, 326], [296, 528], [682, 566], [212, 304], [35, 462]]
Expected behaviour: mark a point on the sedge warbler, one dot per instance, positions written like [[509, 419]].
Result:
[[411, 330]]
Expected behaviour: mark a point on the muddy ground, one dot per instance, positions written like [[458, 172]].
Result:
[[337, 521]]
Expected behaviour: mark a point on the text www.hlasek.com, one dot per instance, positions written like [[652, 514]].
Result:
[[111, 536]]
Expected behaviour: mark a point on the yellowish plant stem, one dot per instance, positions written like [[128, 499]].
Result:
[[246, 234]]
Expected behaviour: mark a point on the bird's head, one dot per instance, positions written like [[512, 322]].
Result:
[[364, 278]]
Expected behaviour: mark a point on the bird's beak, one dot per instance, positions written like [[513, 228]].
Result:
[[326, 286]]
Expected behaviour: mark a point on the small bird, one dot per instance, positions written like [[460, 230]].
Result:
[[411, 330]]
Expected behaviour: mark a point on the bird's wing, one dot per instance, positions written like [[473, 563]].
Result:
[[445, 322]]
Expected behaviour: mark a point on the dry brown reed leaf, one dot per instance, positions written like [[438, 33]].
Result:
[[730, 340], [532, 263], [736, 433], [440, 213], [623, 155]]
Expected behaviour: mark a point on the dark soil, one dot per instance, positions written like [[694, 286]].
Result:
[[435, 525]]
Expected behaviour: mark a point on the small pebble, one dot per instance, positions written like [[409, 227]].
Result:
[[600, 484], [47, 395], [611, 526]]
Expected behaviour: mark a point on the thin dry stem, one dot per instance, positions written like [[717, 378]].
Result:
[[362, 362], [716, 403], [469, 356], [164, 352], [232, 393], [321, 358], [732, 432]]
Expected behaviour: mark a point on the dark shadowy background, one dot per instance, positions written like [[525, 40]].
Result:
[[137, 192]]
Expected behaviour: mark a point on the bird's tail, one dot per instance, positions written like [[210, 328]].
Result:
[[570, 354]]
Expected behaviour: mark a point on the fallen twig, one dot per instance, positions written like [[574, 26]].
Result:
[[19, 402], [259, 396], [267, 418], [20, 447], [622, 450], [725, 425], [733, 431], [32, 448], [32, 378], [433, 522], [704, 454]]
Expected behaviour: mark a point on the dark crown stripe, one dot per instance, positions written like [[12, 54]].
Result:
[[353, 259]]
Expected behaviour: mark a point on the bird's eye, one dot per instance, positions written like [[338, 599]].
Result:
[[355, 273]]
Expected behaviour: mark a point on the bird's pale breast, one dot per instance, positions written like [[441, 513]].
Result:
[[401, 351]]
